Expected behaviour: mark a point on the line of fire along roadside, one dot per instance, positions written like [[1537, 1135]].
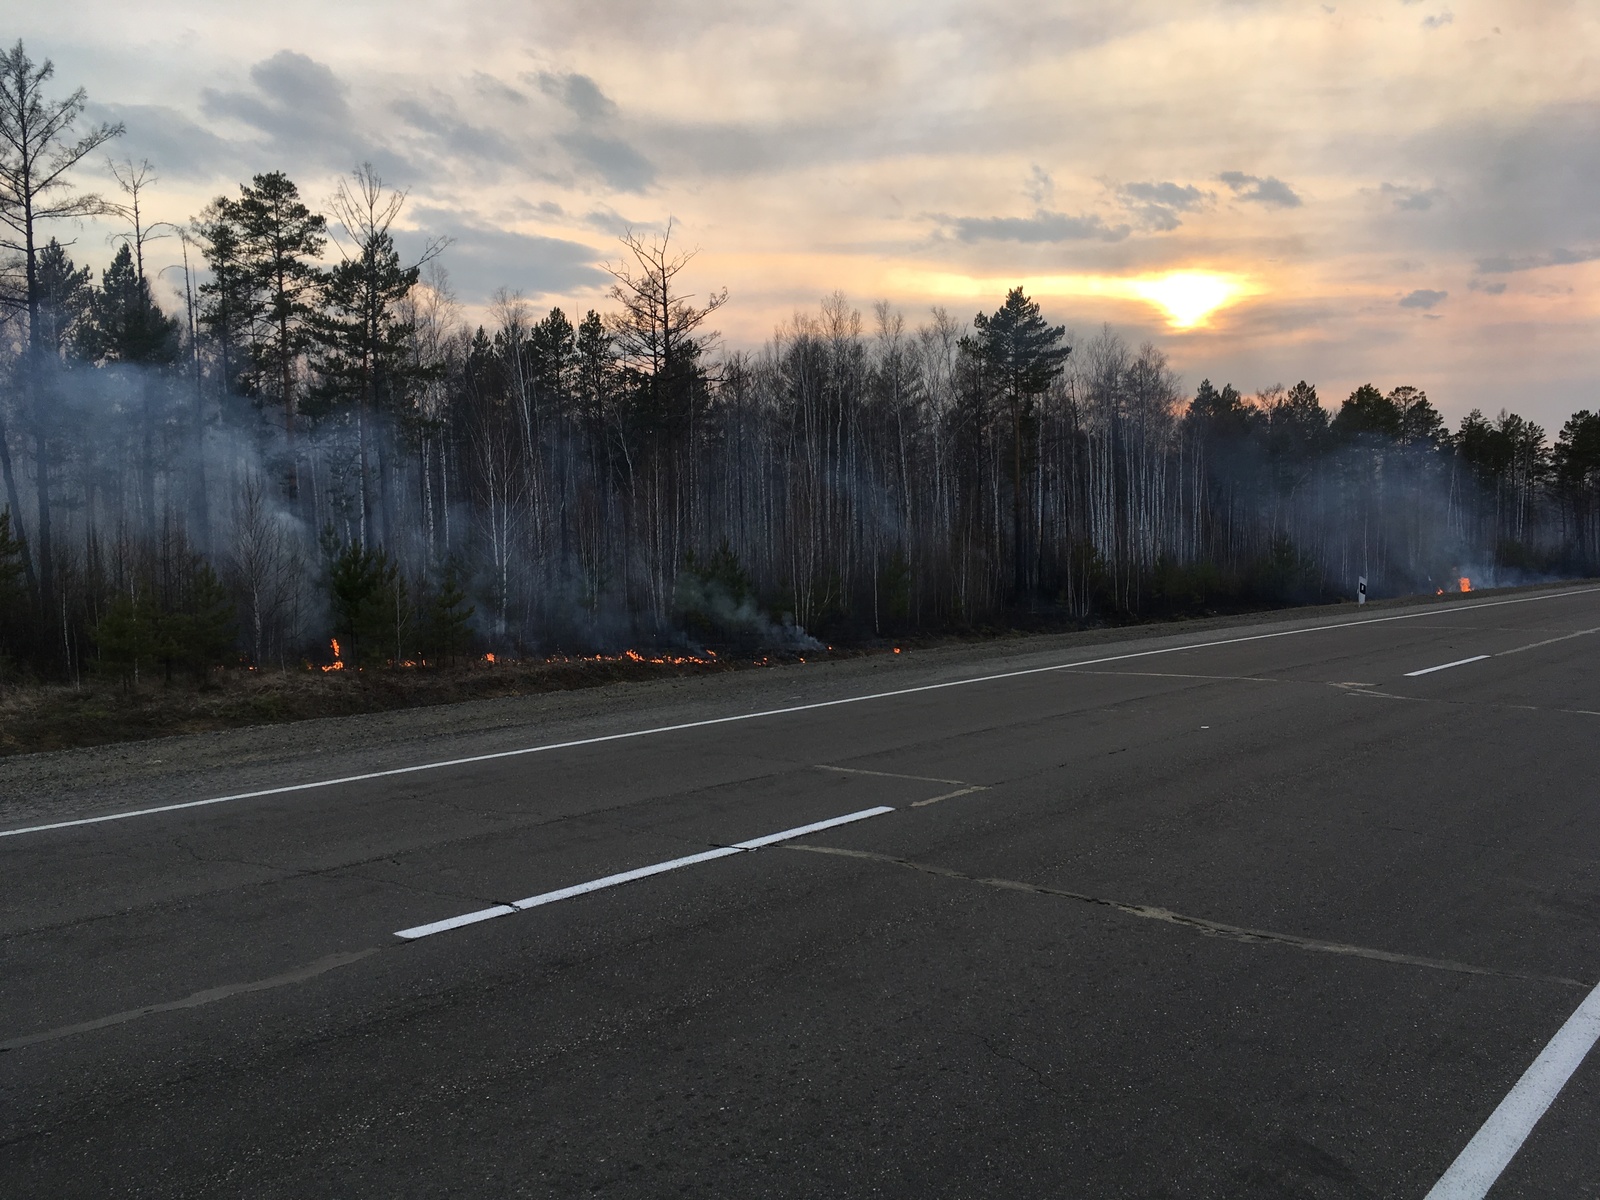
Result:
[[707, 659], [1463, 584]]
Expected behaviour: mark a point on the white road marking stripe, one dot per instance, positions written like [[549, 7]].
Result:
[[608, 881], [471, 918], [771, 712], [1492, 1148], [814, 827], [1460, 662]]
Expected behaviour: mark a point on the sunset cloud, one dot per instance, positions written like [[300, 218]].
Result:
[[1337, 157], [1422, 298]]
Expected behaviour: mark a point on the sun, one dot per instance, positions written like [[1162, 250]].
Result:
[[1189, 297]]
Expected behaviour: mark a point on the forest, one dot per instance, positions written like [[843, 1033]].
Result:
[[312, 460]]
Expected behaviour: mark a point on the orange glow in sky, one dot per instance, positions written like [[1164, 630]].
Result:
[[1190, 297], [1187, 298], [1391, 192]]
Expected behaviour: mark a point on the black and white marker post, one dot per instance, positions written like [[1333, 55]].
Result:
[[1361, 589]]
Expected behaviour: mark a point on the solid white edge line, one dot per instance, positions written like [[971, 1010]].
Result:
[[814, 827], [1460, 662], [1494, 1145], [607, 881], [771, 712]]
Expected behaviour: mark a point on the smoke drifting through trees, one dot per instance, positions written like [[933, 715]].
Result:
[[324, 451]]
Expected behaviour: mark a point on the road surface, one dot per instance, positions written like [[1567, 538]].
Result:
[[1285, 910]]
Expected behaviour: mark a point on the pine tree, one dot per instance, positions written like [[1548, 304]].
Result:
[[279, 241], [1420, 425], [204, 631], [129, 636], [66, 299], [447, 622], [230, 301], [1368, 412], [363, 343], [371, 604], [552, 346], [124, 323], [1025, 354], [1576, 463]]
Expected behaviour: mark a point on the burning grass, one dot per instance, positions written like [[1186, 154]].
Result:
[[37, 717], [53, 717]]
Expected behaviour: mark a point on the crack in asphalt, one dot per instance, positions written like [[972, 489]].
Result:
[[1201, 925], [1038, 1076]]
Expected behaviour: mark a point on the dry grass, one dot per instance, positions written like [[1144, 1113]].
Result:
[[56, 717]]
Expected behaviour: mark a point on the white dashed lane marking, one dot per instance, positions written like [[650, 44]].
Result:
[[1460, 662], [609, 881]]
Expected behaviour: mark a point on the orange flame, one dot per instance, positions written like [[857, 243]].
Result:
[[660, 660], [1466, 584], [338, 656], [488, 658]]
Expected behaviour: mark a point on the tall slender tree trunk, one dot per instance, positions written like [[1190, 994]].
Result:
[[34, 376], [1019, 568], [14, 503], [286, 383]]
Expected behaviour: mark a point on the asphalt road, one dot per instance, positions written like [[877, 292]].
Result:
[[1268, 916]]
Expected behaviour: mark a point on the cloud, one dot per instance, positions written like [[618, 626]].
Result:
[[580, 94], [292, 78], [1517, 187], [1184, 196], [177, 147], [302, 107], [1040, 186], [482, 259], [293, 93], [608, 221], [453, 136], [1438, 22], [1492, 289], [1410, 199], [1504, 264], [1043, 226], [616, 162], [492, 88], [1270, 191], [1422, 298], [1157, 205]]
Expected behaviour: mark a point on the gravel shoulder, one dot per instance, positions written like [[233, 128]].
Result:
[[64, 784]]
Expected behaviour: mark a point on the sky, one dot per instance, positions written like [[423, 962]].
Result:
[[1394, 191]]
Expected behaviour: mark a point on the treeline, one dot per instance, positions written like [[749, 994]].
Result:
[[313, 449]]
